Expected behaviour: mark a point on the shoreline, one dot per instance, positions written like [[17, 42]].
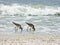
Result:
[[30, 39]]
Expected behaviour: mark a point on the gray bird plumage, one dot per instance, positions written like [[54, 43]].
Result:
[[31, 25], [18, 25]]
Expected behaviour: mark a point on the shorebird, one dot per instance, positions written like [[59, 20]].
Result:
[[31, 26], [18, 26]]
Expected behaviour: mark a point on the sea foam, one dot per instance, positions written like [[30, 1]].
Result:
[[28, 9]]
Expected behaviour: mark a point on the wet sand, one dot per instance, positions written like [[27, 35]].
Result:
[[29, 39]]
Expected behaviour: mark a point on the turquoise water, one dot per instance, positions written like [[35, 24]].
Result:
[[44, 18]]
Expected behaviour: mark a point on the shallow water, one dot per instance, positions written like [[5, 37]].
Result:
[[44, 19]]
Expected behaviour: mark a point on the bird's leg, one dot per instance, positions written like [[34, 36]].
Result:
[[30, 29], [16, 29], [27, 28], [21, 30]]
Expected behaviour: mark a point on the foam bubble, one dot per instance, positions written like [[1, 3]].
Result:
[[25, 9]]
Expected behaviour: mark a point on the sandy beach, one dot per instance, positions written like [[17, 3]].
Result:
[[30, 39], [43, 16]]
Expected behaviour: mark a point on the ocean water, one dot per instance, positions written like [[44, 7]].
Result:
[[45, 18], [33, 2]]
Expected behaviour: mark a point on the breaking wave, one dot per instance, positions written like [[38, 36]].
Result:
[[36, 14], [28, 9]]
